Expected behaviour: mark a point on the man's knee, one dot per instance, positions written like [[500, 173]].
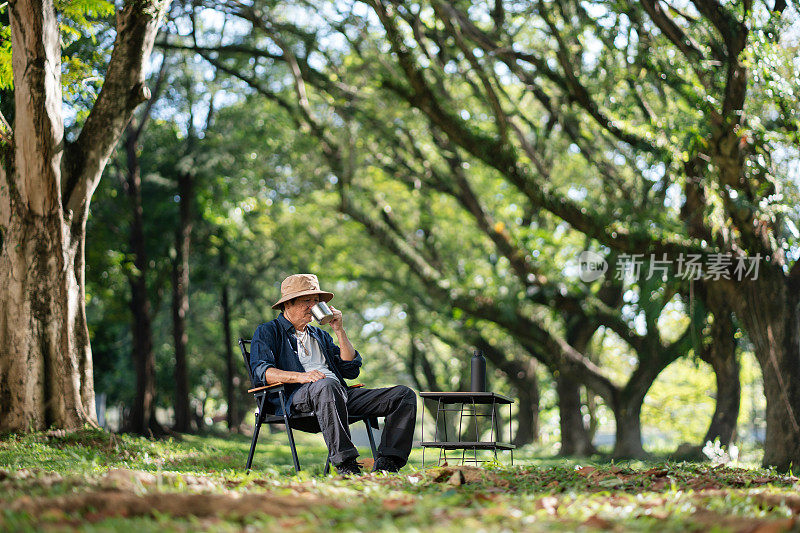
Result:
[[328, 387], [406, 395]]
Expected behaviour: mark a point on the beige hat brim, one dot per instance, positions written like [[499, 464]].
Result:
[[324, 296]]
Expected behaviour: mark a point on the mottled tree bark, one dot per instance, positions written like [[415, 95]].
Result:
[[769, 308], [721, 355], [46, 184], [575, 437]]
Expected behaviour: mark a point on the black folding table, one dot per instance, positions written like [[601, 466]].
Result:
[[467, 405]]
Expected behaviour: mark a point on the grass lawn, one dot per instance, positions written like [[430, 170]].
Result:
[[95, 481]]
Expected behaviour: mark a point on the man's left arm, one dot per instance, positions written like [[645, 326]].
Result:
[[346, 350], [345, 355]]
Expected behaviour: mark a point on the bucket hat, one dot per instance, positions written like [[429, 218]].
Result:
[[298, 285]]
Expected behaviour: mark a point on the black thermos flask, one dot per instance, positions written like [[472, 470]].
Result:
[[478, 372]]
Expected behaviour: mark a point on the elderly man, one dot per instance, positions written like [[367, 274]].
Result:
[[305, 357]]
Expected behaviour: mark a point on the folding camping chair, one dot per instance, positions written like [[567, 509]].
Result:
[[303, 422]]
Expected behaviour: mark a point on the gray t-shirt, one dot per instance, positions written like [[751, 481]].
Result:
[[310, 355]]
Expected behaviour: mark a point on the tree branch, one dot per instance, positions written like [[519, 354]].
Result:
[[222, 49], [733, 32], [123, 89]]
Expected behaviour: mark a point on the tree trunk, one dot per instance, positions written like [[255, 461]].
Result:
[[46, 184], [180, 303], [628, 443], [418, 363], [45, 357], [721, 355], [770, 311], [575, 439], [528, 413], [232, 380], [627, 404], [143, 412]]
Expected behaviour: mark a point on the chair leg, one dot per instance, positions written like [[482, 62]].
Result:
[[256, 430], [289, 433], [371, 439], [327, 466]]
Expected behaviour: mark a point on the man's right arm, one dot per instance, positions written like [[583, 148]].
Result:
[[274, 375]]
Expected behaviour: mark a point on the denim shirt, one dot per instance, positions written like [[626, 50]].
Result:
[[274, 345]]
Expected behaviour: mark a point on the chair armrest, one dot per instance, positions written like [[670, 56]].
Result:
[[280, 384], [267, 387]]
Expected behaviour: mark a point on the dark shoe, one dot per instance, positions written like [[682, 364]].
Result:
[[349, 468], [387, 464]]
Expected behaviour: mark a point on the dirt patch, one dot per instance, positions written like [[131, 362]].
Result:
[[742, 524], [132, 480], [458, 475], [769, 501], [98, 505]]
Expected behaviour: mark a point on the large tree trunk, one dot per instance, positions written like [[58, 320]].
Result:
[[180, 303], [45, 359], [627, 403], [628, 444], [143, 411], [575, 439], [46, 184], [528, 413], [418, 363], [721, 355], [770, 311]]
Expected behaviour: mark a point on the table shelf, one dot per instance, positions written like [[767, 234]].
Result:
[[465, 445]]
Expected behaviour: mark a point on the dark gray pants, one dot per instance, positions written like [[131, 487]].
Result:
[[332, 404]]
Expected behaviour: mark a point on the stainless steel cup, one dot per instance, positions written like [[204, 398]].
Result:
[[322, 313]]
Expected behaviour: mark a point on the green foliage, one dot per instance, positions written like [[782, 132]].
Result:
[[6, 75], [80, 23], [80, 17]]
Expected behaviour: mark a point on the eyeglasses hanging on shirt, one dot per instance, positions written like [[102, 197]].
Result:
[[303, 351]]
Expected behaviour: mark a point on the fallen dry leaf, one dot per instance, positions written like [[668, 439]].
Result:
[[597, 522], [366, 464], [471, 474], [656, 472], [457, 479]]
